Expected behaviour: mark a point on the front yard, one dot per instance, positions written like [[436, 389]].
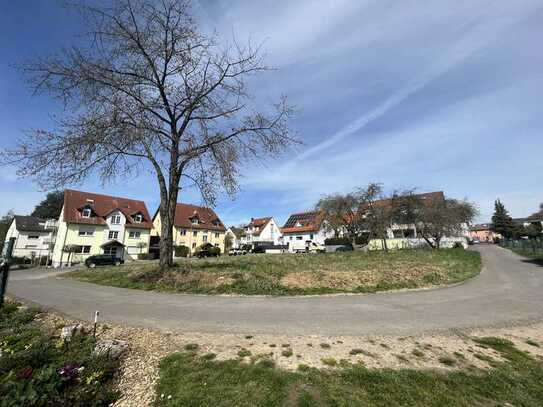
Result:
[[296, 274]]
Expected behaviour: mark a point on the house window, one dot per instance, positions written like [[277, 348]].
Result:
[[110, 250], [116, 220], [134, 235], [86, 232], [30, 246], [83, 249], [195, 233], [216, 235], [290, 237], [204, 238], [113, 235], [139, 218], [311, 236], [194, 221], [183, 232], [194, 245], [299, 237], [33, 237], [86, 213]]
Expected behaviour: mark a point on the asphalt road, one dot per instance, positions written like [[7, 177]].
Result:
[[509, 290]]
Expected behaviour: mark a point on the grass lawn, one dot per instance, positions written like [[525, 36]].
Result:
[[537, 257], [296, 274], [38, 369], [187, 379]]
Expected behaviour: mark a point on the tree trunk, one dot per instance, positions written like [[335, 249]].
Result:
[[168, 204]]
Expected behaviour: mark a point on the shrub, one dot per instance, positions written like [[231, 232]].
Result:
[[181, 251], [458, 245], [146, 256]]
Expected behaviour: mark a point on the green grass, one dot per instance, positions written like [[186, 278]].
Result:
[[195, 381], [536, 256], [32, 359], [296, 274]]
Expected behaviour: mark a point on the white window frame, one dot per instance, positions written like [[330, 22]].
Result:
[[194, 221], [33, 237], [138, 218], [86, 232], [134, 234], [195, 233], [116, 219], [217, 235], [204, 238], [83, 249], [86, 213], [113, 234]]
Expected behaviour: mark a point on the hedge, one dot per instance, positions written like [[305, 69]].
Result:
[[181, 251]]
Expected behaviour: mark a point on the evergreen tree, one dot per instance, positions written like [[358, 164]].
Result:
[[502, 223], [50, 207]]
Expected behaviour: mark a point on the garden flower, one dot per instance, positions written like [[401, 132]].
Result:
[[26, 373], [70, 370]]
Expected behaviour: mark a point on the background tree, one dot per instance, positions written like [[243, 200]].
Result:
[[502, 223], [340, 213], [5, 222], [150, 91], [438, 218], [141, 246], [228, 242], [50, 207], [375, 214]]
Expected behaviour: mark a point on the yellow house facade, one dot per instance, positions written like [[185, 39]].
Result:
[[92, 224], [194, 226]]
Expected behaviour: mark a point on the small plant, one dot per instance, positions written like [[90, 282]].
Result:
[[532, 343], [325, 346], [287, 353], [248, 336], [459, 355], [209, 356], [310, 345], [447, 360], [191, 347], [384, 345], [243, 353], [302, 367], [418, 353], [356, 351], [286, 345], [402, 358], [329, 361], [267, 363]]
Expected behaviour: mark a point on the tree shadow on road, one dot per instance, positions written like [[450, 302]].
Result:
[[537, 261]]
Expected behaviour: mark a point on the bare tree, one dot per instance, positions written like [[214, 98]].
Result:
[[376, 212], [438, 218], [340, 213], [150, 91]]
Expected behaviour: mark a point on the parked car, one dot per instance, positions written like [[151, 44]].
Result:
[[237, 252], [299, 246], [345, 248], [103, 260], [208, 250]]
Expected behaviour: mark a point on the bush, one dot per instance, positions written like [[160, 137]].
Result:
[[458, 245], [146, 256], [181, 251]]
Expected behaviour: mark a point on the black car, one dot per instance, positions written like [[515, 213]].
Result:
[[208, 250], [346, 248], [103, 260]]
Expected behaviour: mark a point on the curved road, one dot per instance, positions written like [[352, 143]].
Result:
[[509, 290]]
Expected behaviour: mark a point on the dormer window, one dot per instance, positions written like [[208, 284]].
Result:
[[116, 220], [194, 221], [216, 222], [138, 218], [86, 213]]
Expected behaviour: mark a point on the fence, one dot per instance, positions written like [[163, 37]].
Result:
[[527, 247]]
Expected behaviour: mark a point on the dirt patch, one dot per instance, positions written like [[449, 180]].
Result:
[[350, 280]]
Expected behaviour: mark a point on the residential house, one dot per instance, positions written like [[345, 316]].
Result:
[[262, 230], [194, 226], [91, 224], [32, 237], [535, 219], [482, 232], [236, 235], [306, 227]]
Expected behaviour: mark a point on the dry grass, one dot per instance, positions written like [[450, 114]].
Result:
[[295, 274]]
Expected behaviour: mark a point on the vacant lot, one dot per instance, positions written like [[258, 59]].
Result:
[[296, 274], [188, 378]]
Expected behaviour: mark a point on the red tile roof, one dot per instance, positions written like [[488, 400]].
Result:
[[207, 218], [307, 221], [426, 198], [101, 206], [258, 223]]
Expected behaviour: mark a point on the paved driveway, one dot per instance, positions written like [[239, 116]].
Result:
[[508, 290]]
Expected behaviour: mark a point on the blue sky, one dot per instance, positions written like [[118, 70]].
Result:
[[440, 96]]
